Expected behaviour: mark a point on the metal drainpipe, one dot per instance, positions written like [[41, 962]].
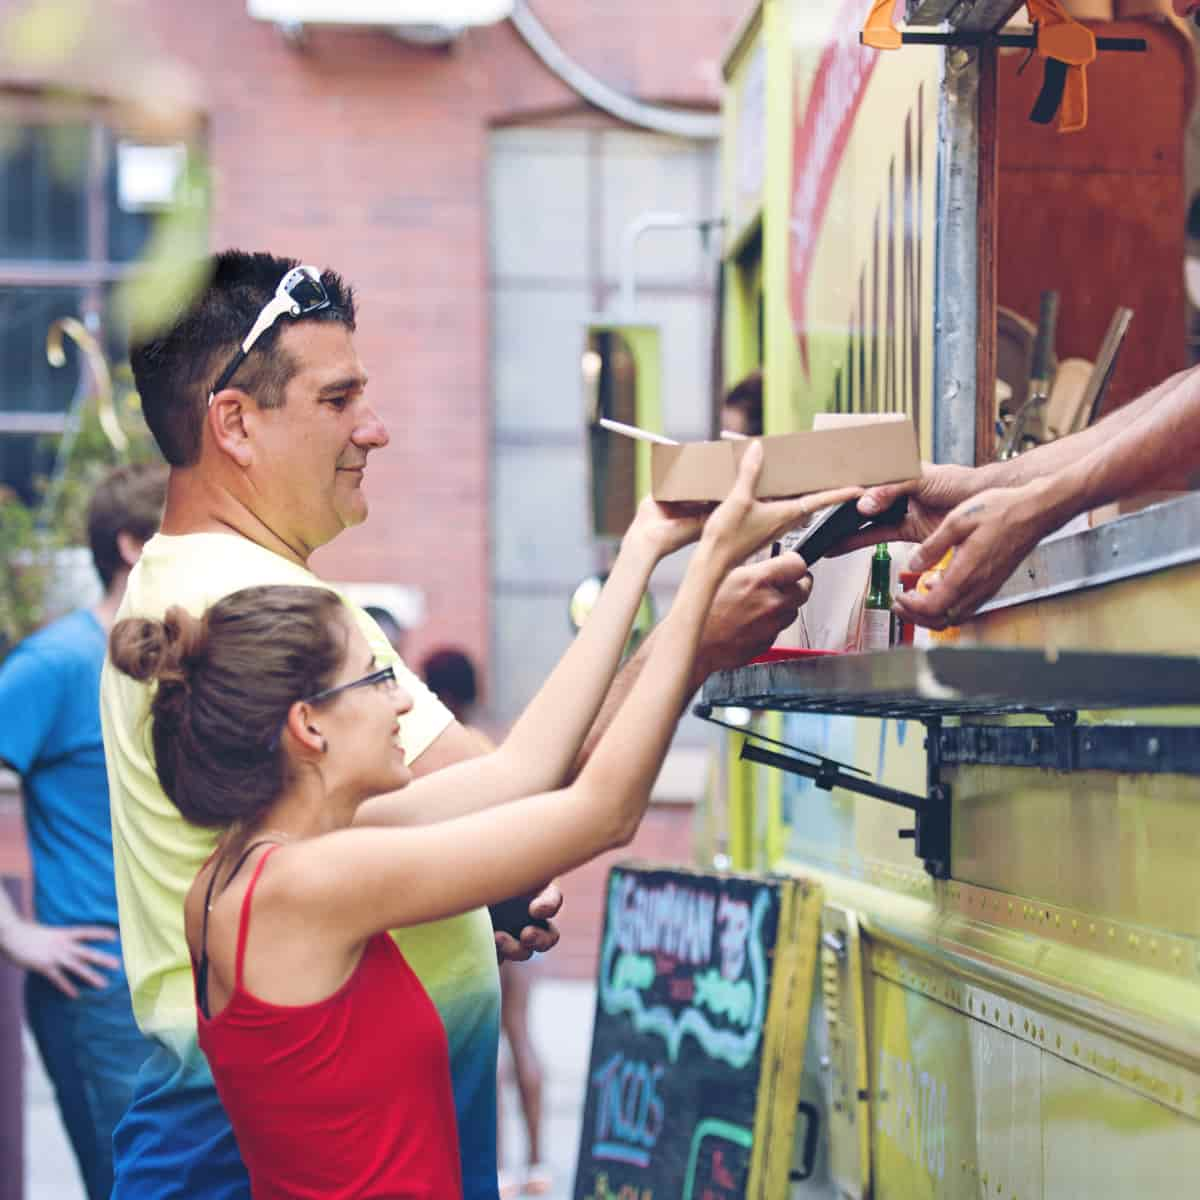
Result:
[[678, 122], [629, 240]]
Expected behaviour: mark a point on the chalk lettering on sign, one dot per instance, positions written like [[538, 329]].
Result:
[[626, 1191], [671, 919], [913, 1111], [634, 971], [719, 1154], [629, 1111], [734, 918], [651, 930], [722, 998]]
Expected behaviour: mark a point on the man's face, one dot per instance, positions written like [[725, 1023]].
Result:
[[1185, 8], [311, 453]]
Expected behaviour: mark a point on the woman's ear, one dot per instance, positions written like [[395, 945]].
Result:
[[301, 725], [226, 419]]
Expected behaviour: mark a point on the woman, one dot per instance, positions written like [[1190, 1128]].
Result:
[[271, 721]]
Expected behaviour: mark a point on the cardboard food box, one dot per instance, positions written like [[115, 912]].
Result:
[[862, 453]]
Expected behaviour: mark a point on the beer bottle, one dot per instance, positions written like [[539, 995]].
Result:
[[877, 612]]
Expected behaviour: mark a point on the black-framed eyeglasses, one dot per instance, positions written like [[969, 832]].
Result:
[[386, 675], [299, 293]]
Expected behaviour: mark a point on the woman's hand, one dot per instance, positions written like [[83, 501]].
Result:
[[742, 524], [663, 528]]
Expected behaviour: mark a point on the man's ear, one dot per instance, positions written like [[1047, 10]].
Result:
[[129, 547], [226, 419]]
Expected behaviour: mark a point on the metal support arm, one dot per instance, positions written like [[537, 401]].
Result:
[[931, 831]]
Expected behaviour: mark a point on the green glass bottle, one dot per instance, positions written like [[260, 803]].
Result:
[[878, 621]]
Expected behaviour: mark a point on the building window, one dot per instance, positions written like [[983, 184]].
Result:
[[77, 207]]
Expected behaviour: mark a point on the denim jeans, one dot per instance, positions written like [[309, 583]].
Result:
[[92, 1050]]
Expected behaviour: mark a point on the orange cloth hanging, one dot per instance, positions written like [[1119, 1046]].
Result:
[[879, 32], [1062, 38]]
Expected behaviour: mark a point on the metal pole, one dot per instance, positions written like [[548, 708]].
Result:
[[629, 240]]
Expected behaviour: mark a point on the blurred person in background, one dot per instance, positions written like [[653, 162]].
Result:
[[742, 406], [76, 994], [389, 626], [257, 398], [450, 674]]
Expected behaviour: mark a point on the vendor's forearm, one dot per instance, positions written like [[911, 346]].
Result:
[[1158, 449], [1063, 453]]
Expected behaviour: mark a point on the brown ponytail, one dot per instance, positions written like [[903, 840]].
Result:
[[225, 683]]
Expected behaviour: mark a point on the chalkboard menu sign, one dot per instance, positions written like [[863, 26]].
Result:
[[688, 1079]]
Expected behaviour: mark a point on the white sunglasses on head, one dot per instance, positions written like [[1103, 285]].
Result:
[[299, 292]]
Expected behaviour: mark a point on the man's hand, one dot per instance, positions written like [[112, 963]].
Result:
[[52, 951], [754, 605], [990, 534], [534, 939], [930, 498]]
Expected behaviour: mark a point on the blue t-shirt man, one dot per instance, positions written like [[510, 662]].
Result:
[[78, 1007]]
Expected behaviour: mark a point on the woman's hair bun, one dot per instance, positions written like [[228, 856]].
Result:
[[158, 650]]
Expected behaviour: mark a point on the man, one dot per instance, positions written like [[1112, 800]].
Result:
[[257, 397], [76, 994]]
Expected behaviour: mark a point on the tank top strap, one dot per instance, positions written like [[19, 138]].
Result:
[[244, 918]]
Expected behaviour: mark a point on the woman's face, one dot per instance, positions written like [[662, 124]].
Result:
[[361, 724]]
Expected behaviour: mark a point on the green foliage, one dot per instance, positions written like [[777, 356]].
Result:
[[84, 459], [30, 536], [22, 582]]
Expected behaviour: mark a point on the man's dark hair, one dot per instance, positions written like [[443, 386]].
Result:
[[450, 675], [175, 369], [386, 620], [747, 396], [127, 500]]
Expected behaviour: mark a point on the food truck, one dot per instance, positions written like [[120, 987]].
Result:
[[1004, 826]]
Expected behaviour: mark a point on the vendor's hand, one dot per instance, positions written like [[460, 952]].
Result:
[[938, 490], [60, 952], [990, 534], [534, 939], [664, 528]]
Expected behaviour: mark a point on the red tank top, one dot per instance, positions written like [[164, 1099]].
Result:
[[348, 1097]]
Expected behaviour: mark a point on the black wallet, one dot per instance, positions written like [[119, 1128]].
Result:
[[842, 522]]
